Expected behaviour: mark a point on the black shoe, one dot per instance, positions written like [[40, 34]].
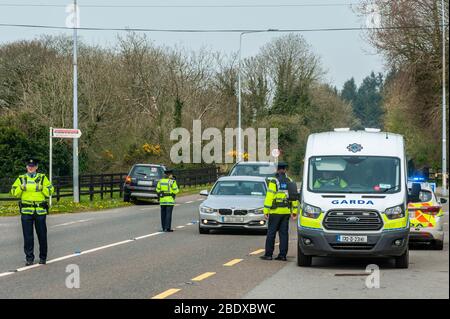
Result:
[[266, 257], [169, 230], [42, 262], [282, 258], [29, 262]]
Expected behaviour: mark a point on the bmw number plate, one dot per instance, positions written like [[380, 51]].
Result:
[[232, 219], [145, 183], [351, 239]]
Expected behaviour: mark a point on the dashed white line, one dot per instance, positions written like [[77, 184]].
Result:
[[189, 202], [180, 227]]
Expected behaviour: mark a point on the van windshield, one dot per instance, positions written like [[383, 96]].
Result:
[[354, 174]]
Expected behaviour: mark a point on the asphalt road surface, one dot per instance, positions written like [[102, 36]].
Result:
[[121, 253]]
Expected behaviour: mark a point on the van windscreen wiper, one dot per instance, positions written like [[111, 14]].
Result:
[[390, 188]]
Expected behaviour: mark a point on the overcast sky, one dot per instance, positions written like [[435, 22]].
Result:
[[344, 54]]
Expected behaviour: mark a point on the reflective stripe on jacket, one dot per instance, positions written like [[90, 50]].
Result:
[[33, 197], [167, 189], [275, 196]]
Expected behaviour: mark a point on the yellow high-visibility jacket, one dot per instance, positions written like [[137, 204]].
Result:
[[33, 193], [274, 196], [167, 188]]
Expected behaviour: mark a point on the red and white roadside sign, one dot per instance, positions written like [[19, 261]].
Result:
[[276, 152], [66, 133]]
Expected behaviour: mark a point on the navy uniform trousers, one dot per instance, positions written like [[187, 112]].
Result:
[[278, 223], [39, 222], [166, 217]]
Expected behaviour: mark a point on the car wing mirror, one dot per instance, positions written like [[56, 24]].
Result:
[[204, 192], [413, 196]]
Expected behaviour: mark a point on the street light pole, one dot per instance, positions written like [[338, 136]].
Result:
[[76, 186], [239, 142], [444, 107]]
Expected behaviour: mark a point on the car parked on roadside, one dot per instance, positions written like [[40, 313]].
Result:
[[141, 182], [426, 218], [235, 202]]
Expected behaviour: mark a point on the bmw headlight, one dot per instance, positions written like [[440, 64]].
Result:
[[311, 211], [207, 210], [395, 212], [258, 211]]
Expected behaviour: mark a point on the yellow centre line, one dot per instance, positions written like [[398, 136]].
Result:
[[203, 276], [257, 252], [166, 293], [233, 262]]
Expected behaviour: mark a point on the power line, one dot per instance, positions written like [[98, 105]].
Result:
[[185, 6], [215, 30]]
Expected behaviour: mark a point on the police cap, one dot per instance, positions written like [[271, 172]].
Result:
[[31, 161], [282, 165]]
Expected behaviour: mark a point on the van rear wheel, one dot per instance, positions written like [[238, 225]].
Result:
[[302, 259], [402, 262]]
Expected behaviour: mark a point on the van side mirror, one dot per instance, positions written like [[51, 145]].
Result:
[[204, 192], [442, 200], [413, 196]]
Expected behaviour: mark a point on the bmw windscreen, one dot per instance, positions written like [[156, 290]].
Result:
[[354, 174], [239, 188]]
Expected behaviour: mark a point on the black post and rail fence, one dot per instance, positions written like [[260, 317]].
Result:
[[106, 185]]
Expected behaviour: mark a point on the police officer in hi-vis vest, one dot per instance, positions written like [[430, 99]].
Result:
[[167, 189], [277, 209], [33, 189]]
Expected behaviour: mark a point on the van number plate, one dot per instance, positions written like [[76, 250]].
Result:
[[351, 239]]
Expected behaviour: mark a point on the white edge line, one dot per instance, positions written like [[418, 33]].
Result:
[[6, 273], [78, 254], [149, 235]]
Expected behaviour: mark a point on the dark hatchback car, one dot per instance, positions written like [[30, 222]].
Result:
[[141, 182]]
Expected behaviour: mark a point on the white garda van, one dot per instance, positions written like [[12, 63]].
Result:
[[354, 197]]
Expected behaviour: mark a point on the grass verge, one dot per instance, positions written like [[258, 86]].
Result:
[[65, 205]]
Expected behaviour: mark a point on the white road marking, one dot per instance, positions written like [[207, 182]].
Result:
[[189, 202], [80, 253], [71, 223], [189, 224], [181, 226], [149, 235]]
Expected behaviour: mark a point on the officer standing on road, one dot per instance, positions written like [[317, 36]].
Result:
[[167, 189], [278, 209], [33, 189]]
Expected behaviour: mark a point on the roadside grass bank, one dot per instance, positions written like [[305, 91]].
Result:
[[66, 206]]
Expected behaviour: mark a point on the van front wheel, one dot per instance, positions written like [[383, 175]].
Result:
[[302, 259], [402, 262]]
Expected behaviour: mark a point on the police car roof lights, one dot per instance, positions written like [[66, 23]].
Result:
[[342, 129], [372, 130]]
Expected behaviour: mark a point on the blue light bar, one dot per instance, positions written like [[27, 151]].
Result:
[[417, 179]]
